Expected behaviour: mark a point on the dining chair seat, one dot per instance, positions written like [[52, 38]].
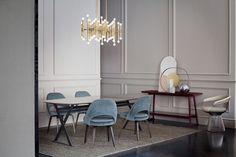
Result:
[[212, 110], [102, 121], [137, 117], [139, 112], [101, 113]]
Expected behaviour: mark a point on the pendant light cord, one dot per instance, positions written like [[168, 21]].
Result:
[[106, 9]]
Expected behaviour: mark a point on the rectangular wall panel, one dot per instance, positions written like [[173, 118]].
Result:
[[146, 35], [66, 63], [111, 55], [111, 89], [73, 56], [202, 35]]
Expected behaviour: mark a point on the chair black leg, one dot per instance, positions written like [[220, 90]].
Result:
[[94, 134], [112, 136], [108, 138], [140, 128], [137, 130], [150, 135], [49, 123], [86, 132]]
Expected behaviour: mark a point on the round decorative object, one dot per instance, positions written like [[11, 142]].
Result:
[[169, 75], [174, 77], [183, 87]]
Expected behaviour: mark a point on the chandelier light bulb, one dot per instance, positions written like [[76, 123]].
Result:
[[101, 30]]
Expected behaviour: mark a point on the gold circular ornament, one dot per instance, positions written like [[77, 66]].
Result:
[[175, 78]]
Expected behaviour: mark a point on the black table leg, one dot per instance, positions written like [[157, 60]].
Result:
[[63, 122], [195, 108], [189, 111], [153, 108]]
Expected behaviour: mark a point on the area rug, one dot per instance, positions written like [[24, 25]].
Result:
[[102, 147]]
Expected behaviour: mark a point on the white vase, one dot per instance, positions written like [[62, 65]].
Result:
[[170, 85]]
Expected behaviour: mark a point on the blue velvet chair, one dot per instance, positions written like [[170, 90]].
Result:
[[83, 109], [139, 112], [82, 94], [51, 109], [101, 113]]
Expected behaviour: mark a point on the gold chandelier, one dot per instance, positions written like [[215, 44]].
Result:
[[100, 29]]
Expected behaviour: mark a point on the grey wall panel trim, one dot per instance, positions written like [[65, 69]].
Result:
[[231, 40]]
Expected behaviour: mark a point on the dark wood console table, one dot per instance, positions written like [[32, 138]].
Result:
[[189, 95]]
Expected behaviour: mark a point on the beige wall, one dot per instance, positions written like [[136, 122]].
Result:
[[66, 63], [199, 34]]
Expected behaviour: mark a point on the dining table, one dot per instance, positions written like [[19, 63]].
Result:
[[75, 102]]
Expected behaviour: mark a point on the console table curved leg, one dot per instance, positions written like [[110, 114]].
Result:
[[195, 108], [189, 110], [153, 109]]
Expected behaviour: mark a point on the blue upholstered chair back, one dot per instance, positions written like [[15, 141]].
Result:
[[140, 109], [51, 96], [101, 112], [82, 94]]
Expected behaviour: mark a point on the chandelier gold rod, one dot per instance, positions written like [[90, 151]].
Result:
[[106, 9]]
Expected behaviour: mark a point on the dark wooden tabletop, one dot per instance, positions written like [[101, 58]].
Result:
[[177, 93]]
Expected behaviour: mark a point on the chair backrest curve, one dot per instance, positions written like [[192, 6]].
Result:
[[142, 105], [101, 107], [82, 94], [51, 96]]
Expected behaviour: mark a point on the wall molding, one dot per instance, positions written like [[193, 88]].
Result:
[[210, 82], [193, 78], [120, 86], [59, 71], [125, 43], [230, 41], [172, 40], [47, 14]]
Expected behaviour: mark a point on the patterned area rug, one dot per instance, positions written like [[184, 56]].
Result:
[[102, 147]]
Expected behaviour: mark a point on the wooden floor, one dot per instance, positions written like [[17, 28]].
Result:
[[201, 144]]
